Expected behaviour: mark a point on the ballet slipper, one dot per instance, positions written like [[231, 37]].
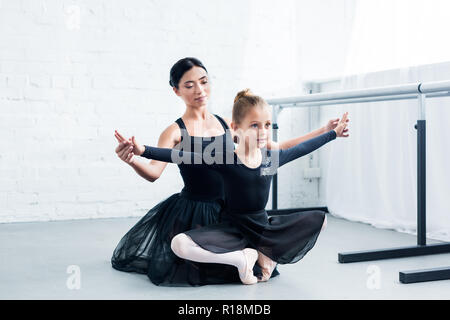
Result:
[[267, 266], [250, 256]]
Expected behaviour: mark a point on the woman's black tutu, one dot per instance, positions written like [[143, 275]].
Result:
[[145, 248]]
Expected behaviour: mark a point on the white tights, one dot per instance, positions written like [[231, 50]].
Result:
[[184, 247]]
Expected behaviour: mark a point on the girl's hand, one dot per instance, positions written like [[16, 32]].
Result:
[[124, 143], [333, 123], [341, 127]]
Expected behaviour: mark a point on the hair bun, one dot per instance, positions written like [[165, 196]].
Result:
[[243, 93]]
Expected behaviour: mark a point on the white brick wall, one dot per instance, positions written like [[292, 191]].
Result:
[[73, 71]]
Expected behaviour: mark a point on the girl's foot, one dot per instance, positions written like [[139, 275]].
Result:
[[267, 266], [324, 223], [246, 275]]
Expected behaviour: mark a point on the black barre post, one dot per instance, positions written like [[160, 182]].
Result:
[[275, 176], [421, 182]]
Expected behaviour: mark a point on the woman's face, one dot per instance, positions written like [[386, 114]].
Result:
[[194, 87], [255, 128]]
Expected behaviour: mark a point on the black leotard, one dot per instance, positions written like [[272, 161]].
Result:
[[285, 239], [201, 184]]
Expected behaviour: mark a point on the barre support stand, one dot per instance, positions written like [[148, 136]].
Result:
[[421, 248]]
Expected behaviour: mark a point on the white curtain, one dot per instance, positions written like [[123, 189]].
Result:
[[389, 34], [372, 175]]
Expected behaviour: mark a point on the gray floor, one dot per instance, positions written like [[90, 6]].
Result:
[[35, 258]]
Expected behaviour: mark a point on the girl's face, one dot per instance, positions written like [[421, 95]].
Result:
[[194, 87], [255, 128]]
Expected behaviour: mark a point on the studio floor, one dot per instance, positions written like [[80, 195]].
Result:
[[36, 258]]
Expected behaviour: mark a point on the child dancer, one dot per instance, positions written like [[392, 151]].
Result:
[[246, 233]]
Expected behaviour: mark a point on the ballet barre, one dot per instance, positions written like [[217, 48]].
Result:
[[420, 92]]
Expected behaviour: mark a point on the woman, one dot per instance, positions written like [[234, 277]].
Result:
[[247, 232], [145, 248]]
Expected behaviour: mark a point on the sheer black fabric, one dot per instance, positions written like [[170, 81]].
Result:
[[283, 238], [145, 248]]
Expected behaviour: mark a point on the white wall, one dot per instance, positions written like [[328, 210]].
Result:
[[73, 71], [325, 29], [323, 33]]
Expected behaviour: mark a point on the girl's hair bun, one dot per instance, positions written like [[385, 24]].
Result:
[[243, 93], [245, 100]]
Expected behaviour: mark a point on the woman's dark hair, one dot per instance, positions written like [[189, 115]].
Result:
[[179, 68]]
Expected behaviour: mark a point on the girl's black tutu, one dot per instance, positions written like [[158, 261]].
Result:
[[145, 248], [285, 238]]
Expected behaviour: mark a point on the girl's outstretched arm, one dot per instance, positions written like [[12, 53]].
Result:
[[184, 157], [331, 124], [313, 144]]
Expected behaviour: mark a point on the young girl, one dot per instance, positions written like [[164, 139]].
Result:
[[246, 233]]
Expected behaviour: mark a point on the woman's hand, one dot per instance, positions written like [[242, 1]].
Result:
[[341, 127], [137, 148], [333, 123], [125, 152], [127, 148]]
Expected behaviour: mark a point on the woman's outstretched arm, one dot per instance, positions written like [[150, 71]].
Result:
[[129, 147]]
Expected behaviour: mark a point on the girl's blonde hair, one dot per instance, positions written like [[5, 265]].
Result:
[[245, 100]]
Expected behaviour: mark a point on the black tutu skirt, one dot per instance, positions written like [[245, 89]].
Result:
[[285, 238], [145, 248]]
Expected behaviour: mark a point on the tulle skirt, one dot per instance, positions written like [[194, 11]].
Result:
[[285, 238], [145, 248]]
